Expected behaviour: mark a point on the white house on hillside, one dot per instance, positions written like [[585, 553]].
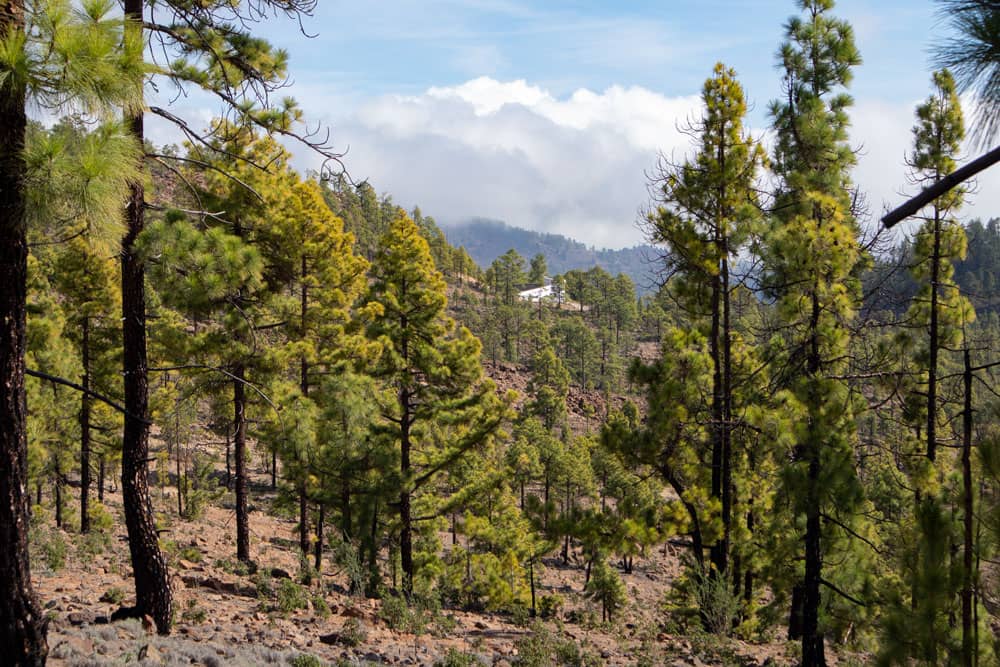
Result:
[[543, 293]]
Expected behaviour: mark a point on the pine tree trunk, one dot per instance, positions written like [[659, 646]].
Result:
[[240, 447], [933, 342], [717, 552], [100, 480], [345, 507], [57, 492], [152, 583], [968, 647], [22, 626], [406, 521], [812, 641], [303, 521], [85, 428], [728, 485], [318, 547]]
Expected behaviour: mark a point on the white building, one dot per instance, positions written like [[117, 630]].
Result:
[[543, 293]]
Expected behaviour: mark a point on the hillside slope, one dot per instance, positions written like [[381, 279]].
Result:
[[485, 240]]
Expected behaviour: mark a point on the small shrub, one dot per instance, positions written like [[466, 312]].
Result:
[[54, 550], [307, 573], [718, 604], [200, 489], [92, 544], [193, 613], [236, 567], [353, 633], [536, 648], [395, 612], [455, 658], [305, 660], [291, 596], [520, 615], [191, 553], [100, 518], [606, 588], [444, 625], [348, 558], [320, 606], [262, 582], [551, 606], [114, 595]]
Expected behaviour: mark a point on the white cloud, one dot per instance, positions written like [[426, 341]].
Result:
[[574, 164], [883, 132], [513, 151]]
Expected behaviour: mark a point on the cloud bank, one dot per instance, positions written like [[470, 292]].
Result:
[[576, 165]]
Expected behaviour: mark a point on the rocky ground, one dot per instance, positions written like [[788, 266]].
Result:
[[228, 617]]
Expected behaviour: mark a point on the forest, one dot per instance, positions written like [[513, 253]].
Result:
[[258, 398]]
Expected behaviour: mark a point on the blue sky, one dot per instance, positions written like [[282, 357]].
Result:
[[550, 115]]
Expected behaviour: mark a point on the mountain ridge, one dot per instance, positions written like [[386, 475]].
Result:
[[486, 239]]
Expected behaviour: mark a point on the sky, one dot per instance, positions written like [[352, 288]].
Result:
[[552, 115]]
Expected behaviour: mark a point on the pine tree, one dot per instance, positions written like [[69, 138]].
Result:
[[812, 252], [209, 47], [705, 219], [54, 57], [88, 282], [432, 369], [941, 313], [311, 256]]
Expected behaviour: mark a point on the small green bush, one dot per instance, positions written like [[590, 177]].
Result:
[[551, 606], [395, 612], [114, 595], [320, 606], [193, 613], [455, 658], [305, 660], [54, 550], [291, 596], [353, 633]]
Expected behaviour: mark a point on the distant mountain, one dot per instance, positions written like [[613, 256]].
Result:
[[485, 240]]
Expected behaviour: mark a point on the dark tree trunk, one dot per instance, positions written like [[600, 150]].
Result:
[[717, 552], [229, 470], [303, 521], [318, 547], [240, 447], [85, 428], [22, 626], [152, 582], [813, 653], [100, 480], [933, 342], [969, 648], [180, 494], [274, 469], [405, 519], [345, 509], [57, 484]]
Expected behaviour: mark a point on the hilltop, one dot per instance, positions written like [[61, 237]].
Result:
[[485, 240]]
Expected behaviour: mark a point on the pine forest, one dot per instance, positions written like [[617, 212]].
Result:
[[253, 411]]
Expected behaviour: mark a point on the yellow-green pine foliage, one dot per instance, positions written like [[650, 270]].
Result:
[[812, 258], [431, 370]]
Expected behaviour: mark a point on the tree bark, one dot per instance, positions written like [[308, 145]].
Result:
[[152, 584], [85, 428], [22, 625], [968, 646], [318, 547], [240, 452], [149, 568], [813, 650], [405, 519]]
